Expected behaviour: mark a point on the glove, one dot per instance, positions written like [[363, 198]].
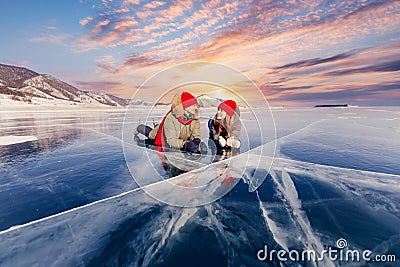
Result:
[[234, 143], [192, 146], [201, 146], [196, 141], [229, 142], [222, 141]]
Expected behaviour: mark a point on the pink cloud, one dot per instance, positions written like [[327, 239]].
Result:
[[144, 14], [251, 36], [122, 10], [131, 2], [88, 42], [226, 10], [147, 42], [153, 27], [85, 21], [211, 5], [106, 63], [176, 9], [174, 52], [196, 17], [162, 33], [130, 37], [100, 26], [154, 5], [99, 86], [125, 24]]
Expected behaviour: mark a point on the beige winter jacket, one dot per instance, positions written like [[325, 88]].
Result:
[[176, 133]]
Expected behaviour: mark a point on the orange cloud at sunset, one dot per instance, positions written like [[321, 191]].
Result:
[[297, 53]]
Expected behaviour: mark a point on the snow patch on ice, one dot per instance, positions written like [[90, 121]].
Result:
[[16, 139]]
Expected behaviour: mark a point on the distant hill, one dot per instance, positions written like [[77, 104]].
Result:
[[12, 76], [206, 101], [122, 101], [19, 84], [331, 106]]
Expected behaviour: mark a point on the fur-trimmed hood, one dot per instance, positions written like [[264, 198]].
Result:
[[177, 107]]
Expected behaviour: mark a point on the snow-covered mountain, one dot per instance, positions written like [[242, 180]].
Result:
[[206, 101], [21, 85], [141, 103]]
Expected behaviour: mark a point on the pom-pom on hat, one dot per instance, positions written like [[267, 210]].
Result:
[[229, 106], [188, 100]]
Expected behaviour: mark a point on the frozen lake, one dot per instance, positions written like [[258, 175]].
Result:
[[68, 197]]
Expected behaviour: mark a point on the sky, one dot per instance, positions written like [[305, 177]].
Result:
[[297, 53]]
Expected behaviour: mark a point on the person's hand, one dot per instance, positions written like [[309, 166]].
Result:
[[222, 141], [229, 142], [234, 142], [192, 145], [196, 141]]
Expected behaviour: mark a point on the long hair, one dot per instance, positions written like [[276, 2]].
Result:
[[177, 107], [226, 124]]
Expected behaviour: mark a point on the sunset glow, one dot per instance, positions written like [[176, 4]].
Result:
[[298, 53]]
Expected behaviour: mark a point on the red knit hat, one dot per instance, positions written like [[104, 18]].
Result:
[[229, 106], [188, 100]]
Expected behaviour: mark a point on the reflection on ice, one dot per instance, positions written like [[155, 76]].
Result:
[[77, 159], [52, 129]]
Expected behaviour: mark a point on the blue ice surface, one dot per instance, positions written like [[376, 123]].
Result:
[[78, 159], [76, 162]]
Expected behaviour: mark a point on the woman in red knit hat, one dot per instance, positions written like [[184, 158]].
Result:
[[180, 128], [225, 128]]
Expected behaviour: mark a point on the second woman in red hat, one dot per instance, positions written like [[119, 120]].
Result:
[[224, 128]]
